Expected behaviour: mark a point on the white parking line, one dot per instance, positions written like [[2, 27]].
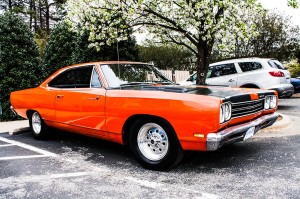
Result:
[[26, 146], [165, 187], [6, 145], [22, 157], [24, 179]]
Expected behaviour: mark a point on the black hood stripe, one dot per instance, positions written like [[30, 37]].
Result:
[[225, 93]]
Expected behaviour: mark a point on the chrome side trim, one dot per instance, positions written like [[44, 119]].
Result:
[[13, 110]]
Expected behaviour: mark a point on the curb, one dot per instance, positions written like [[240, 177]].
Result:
[[19, 131], [284, 122]]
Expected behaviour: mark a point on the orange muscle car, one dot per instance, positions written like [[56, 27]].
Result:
[[133, 103]]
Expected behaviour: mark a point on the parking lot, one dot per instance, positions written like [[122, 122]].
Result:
[[74, 166]]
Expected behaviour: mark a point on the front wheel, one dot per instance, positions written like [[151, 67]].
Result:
[[38, 127], [155, 144]]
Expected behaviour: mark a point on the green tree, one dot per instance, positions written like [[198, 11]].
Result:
[[293, 3], [59, 49], [193, 24], [19, 59], [167, 57], [277, 37]]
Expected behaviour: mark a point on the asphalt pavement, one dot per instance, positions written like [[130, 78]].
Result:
[[74, 166]]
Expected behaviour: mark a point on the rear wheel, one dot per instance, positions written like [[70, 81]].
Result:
[[155, 144], [38, 127], [289, 95]]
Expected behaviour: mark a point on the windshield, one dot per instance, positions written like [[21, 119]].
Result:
[[132, 74]]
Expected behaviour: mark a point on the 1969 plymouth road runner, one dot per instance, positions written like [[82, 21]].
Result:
[[133, 103]]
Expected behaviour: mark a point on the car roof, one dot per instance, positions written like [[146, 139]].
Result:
[[102, 63], [242, 60], [109, 62]]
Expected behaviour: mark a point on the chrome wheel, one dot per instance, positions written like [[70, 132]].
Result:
[[153, 141], [36, 123]]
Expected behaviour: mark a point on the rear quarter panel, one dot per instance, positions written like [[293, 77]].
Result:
[[37, 99]]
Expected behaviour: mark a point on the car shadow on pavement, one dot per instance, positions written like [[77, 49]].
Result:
[[237, 156], [286, 107], [234, 157]]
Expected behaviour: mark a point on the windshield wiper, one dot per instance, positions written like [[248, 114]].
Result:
[[135, 83], [163, 82]]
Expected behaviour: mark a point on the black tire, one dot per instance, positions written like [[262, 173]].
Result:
[[289, 96], [38, 133], [170, 157]]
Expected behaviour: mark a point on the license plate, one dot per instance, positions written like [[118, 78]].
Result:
[[249, 133]]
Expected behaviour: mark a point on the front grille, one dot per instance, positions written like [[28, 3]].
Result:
[[247, 108]]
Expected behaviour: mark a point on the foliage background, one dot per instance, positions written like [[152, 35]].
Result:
[[41, 22], [19, 59]]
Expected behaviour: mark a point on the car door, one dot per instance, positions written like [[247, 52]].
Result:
[[223, 74], [253, 74], [80, 98]]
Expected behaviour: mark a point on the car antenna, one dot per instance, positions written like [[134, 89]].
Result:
[[118, 54]]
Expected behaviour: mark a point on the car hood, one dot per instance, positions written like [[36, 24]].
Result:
[[225, 93]]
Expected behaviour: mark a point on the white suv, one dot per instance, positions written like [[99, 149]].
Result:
[[249, 73]]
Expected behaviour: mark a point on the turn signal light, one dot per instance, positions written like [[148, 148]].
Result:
[[276, 73]]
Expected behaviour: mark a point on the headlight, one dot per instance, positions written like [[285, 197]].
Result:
[[225, 112], [270, 102]]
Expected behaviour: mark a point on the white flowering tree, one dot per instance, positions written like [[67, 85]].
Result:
[[194, 24]]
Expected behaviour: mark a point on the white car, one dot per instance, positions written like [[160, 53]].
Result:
[[249, 73]]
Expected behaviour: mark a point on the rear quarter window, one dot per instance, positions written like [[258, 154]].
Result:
[[250, 66], [276, 64]]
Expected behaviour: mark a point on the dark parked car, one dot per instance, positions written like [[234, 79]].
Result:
[[296, 84]]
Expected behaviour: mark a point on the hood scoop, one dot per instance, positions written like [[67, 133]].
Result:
[[166, 89]]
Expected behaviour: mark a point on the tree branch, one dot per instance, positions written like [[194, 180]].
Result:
[[179, 28], [182, 44]]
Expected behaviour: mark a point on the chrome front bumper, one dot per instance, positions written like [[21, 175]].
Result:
[[237, 133]]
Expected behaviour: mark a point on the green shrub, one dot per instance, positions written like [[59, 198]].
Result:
[[59, 49], [19, 60], [294, 69], [128, 50]]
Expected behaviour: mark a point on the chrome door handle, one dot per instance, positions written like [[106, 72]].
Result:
[[58, 97], [231, 80], [96, 98]]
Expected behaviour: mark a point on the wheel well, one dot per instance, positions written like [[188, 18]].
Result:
[[129, 122], [249, 86], [29, 112]]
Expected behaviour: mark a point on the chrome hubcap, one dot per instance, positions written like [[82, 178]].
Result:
[[153, 141], [36, 123]]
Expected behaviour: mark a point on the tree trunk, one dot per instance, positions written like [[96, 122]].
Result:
[[30, 14], [47, 18], [41, 15], [34, 16], [9, 4], [202, 63]]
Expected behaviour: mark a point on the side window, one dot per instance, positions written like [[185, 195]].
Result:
[[249, 66], [79, 77], [95, 80], [221, 70]]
